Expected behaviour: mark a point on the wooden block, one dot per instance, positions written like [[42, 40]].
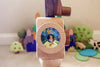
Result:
[[54, 8], [67, 38], [66, 11], [49, 8], [58, 7]]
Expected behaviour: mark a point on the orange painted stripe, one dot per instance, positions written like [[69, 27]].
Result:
[[34, 35]]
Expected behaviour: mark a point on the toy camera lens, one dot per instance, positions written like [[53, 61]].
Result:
[[50, 38]]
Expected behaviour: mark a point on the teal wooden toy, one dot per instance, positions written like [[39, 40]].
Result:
[[88, 52]]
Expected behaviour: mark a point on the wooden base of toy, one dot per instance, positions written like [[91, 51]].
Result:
[[51, 63], [17, 52]]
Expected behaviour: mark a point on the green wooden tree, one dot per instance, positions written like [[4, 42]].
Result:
[[22, 33], [16, 47], [83, 33]]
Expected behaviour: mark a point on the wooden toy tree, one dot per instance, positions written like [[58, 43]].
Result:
[[16, 47], [83, 34], [21, 34]]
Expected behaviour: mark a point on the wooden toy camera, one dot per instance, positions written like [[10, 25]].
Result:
[[50, 41], [50, 35]]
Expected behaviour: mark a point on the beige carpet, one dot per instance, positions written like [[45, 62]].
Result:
[[24, 59]]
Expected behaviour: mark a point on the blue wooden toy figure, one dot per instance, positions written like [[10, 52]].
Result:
[[29, 41], [72, 40]]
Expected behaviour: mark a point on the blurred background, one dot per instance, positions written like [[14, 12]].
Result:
[[16, 14]]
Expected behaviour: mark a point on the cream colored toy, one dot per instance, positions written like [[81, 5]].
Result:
[[80, 45]]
